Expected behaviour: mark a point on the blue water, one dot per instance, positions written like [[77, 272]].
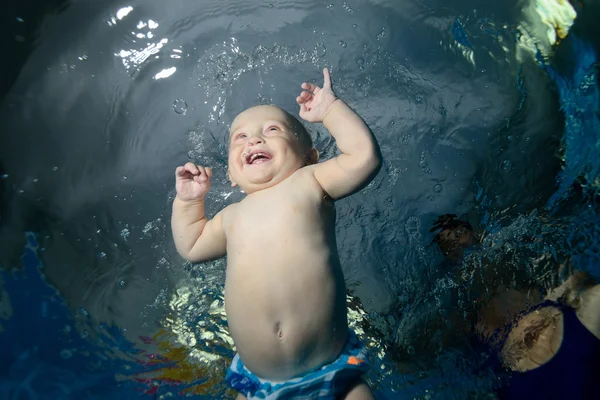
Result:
[[88, 267], [42, 351]]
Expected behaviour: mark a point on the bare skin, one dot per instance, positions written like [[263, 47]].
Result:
[[284, 290], [548, 322], [520, 352]]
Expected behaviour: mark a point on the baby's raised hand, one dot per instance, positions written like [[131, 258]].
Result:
[[314, 101], [192, 182]]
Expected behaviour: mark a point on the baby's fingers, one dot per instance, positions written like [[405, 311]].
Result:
[[304, 97], [192, 168], [183, 173], [203, 175], [311, 87], [180, 171], [326, 78]]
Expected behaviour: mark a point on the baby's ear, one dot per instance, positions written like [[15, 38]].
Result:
[[233, 184], [312, 157]]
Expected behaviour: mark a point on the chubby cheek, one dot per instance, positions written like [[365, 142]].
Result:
[[293, 154], [235, 157]]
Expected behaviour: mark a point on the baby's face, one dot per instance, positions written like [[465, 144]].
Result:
[[263, 149]]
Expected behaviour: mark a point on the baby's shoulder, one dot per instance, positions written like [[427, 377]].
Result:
[[228, 213], [304, 180]]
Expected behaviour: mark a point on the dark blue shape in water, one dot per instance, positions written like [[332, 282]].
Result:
[[42, 356], [460, 34], [579, 100], [522, 89]]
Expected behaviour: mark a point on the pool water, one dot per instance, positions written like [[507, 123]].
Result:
[[478, 111]]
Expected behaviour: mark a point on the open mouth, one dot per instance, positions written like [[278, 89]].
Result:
[[257, 157]]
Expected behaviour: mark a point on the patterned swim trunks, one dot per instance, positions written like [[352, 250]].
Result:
[[327, 382]]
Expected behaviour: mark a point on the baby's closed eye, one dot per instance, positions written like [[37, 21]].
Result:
[[273, 129]]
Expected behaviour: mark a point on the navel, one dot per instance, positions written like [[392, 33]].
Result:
[[278, 330]]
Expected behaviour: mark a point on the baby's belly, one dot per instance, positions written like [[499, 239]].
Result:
[[286, 321]]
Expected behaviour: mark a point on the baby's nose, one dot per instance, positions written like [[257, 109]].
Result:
[[255, 140]]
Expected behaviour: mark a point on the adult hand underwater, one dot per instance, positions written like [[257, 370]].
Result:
[[285, 294], [551, 349]]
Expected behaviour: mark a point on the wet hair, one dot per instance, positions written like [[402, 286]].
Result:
[[448, 222]]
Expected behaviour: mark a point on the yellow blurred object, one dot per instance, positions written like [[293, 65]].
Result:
[[546, 23]]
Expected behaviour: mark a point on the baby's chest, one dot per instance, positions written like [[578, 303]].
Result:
[[274, 219]]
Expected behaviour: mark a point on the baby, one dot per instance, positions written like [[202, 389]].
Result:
[[285, 295]]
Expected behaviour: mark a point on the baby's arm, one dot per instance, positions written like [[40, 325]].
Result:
[[360, 159], [196, 237]]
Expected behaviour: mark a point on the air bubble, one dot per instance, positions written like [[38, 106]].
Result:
[[360, 62], [320, 50], [66, 354], [413, 227], [122, 283], [180, 106], [355, 26], [102, 255], [125, 233], [438, 188], [343, 44], [423, 164]]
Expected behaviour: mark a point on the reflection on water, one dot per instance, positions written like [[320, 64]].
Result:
[[467, 123]]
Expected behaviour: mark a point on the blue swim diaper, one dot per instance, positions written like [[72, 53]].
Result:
[[327, 382]]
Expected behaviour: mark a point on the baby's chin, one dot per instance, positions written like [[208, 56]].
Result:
[[251, 187], [255, 184]]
